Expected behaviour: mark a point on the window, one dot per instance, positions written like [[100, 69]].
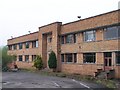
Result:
[[118, 57], [27, 58], [33, 57], [69, 57], [20, 45], [71, 38], [62, 40], [112, 32], [49, 39], [27, 44], [15, 46], [89, 36], [20, 57], [75, 57], [34, 44], [108, 54], [9, 47], [89, 57], [62, 57]]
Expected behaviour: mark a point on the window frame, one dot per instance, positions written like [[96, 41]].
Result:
[[20, 57], [86, 33], [9, 47], [14, 46], [27, 45], [26, 58], [20, 45], [117, 61], [35, 44], [89, 62], [110, 28]]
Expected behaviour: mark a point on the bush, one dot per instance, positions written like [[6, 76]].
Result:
[[38, 62], [6, 59], [52, 62]]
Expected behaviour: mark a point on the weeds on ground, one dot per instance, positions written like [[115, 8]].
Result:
[[88, 78]]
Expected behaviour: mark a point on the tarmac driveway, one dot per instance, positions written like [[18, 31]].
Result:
[[32, 80]]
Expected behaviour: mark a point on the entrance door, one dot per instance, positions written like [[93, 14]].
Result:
[[108, 61]]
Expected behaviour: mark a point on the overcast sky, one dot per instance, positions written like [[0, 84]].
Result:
[[17, 17]]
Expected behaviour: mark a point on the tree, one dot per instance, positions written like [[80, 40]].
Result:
[[52, 62], [6, 59], [38, 62]]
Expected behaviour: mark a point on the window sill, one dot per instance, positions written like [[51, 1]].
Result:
[[89, 63], [111, 39], [68, 63], [117, 64], [68, 43]]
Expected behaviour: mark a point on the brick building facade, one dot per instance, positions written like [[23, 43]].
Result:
[[81, 46]]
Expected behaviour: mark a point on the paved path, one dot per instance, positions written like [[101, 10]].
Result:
[[33, 80]]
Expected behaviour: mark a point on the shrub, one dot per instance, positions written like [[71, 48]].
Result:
[[52, 62], [38, 62]]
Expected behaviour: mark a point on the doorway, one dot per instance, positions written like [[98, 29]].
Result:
[[108, 61]]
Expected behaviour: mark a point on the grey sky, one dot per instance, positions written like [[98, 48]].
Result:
[[17, 17]]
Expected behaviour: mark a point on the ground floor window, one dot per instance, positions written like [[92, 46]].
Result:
[[69, 57], [20, 57], [118, 57], [89, 57], [26, 58], [33, 57], [62, 57]]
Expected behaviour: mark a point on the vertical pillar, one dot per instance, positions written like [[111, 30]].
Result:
[[30, 58], [113, 59], [23, 45], [23, 57], [73, 58], [64, 58], [99, 58], [17, 57], [30, 44], [80, 58]]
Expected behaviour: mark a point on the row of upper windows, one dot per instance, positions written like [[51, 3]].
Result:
[[20, 45], [87, 57], [109, 33]]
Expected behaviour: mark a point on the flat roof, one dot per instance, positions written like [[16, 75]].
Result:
[[23, 35]]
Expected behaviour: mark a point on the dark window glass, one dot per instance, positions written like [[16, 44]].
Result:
[[15, 46], [111, 33], [68, 57], [34, 44], [118, 57], [75, 57], [71, 38], [89, 36], [27, 44], [20, 57], [20, 45], [108, 54], [49, 39], [62, 57], [62, 40], [89, 57], [9, 47], [74, 38], [33, 57], [27, 58]]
